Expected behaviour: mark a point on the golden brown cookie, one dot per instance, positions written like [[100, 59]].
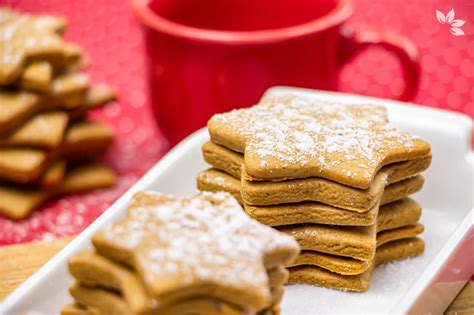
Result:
[[18, 202], [53, 176], [350, 266], [110, 302], [357, 242], [105, 301], [68, 91], [88, 176], [306, 212], [324, 191], [321, 277], [296, 190], [402, 212], [94, 270], [83, 138], [16, 107], [223, 159], [25, 37], [78, 309], [313, 212], [277, 276], [22, 165], [215, 223], [333, 263], [214, 180], [407, 231], [397, 220], [290, 137], [37, 76], [44, 130], [402, 188], [97, 96], [232, 162]]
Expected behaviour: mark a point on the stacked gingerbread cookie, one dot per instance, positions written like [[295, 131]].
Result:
[[194, 255], [47, 143], [336, 177]]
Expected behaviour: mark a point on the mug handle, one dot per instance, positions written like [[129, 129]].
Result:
[[356, 41]]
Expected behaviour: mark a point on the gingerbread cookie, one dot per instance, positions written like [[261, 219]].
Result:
[[232, 162], [223, 159], [16, 107], [306, 212], [109, 302], [25, 165], [321, 190], [350, 266], [407, 231], [25, 38], [53, 176], [22, 165], [214, 180], [215, 218], [83, 138], [68, 90], [37, 76], [94, 270], [45, 130], [19, 202], [395, 250], [308, 189], [314, 212], [396, 221], [293, 137], [354, 241]]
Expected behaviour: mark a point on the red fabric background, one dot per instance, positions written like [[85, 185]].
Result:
[[113, 41]]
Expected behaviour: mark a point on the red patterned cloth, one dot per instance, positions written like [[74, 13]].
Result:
[[113, 41]]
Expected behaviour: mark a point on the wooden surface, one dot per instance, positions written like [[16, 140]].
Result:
[[18, 262]]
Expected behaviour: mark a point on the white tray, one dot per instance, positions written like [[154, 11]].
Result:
[[427, 283]]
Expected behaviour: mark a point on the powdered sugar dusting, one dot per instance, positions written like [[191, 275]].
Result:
[[202, 238], [351, 140], [21, 35], [212, 179]]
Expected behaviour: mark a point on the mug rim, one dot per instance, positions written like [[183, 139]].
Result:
[[339, 14]]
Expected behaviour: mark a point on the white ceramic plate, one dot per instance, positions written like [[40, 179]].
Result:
[[425, 283]]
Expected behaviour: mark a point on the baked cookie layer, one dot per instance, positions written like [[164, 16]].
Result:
[[232, 162], [290, 137], [395, 250], [349, 266], [148, 240], [18, 202], [308, 212]]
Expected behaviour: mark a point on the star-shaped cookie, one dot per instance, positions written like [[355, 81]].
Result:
[[197, 245], [290, 137], [24, 37]]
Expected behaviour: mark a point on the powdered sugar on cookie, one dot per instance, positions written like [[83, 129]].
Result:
[[202, 239], [309, 137]]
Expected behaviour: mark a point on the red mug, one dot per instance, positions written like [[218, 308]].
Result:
[[209, 56]]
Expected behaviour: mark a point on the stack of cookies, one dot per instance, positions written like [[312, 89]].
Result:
[[195, 255], [336, 177], [47, 144]]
